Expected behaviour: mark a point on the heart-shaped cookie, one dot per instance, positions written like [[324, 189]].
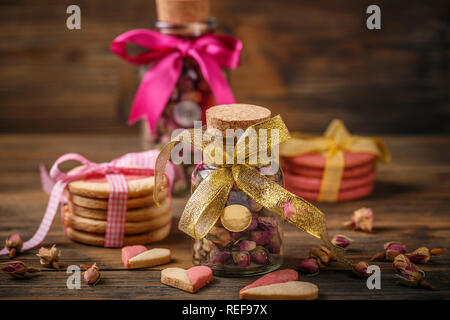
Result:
[[292, 290], [190, 280]]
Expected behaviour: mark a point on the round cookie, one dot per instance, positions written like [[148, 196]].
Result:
[[317, 160], [132, 203], [313, 184], [99, 226], [346, 195], [99, 240], [96, 186], [353, 172], [140, 214]]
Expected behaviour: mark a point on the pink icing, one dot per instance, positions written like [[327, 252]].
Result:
[[101, 179], [130, 252], [279, 276], [199, 276]]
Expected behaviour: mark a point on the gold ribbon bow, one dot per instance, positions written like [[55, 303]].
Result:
[[335, 141], [207, 202]]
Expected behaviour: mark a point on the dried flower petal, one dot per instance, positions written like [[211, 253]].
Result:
[[423, 254], [241, 258], [360, 269], [261, 237], [420, 255], [220, 236], [362, 219], [308, 266], [218, 257], [18, 269], [341, 241], [247, 245], [14, 245], [391, 250], [410, 274], [49, 257], [91, 275], [260, 255], [322, 254]]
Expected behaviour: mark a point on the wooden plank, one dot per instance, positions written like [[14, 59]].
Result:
[[310, 61], [410, 201]]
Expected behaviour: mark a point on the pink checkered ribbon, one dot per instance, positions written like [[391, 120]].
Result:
[[114, 172]]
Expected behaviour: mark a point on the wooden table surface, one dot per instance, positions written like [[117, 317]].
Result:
[[411, 203]]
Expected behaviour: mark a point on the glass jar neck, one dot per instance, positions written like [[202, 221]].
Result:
[[191, 29]]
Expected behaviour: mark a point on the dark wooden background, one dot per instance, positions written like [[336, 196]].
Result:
[[311, 61]]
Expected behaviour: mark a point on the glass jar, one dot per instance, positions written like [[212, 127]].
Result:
[[256, 250], [189, 100]]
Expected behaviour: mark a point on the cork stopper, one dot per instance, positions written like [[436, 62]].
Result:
[[182, 11], [235, 117]]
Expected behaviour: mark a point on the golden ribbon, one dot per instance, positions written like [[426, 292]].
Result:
[[335, 141], [208, 200]]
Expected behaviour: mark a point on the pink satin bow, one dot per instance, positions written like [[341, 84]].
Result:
[[211, 51], [139, 163]]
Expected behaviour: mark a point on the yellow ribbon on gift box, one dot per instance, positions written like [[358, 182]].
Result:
[[208, 200], [335, 141]]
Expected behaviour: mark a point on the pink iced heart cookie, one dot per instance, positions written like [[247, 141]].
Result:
[[190, 280], [129, 252], [291, 290], [279, 276]]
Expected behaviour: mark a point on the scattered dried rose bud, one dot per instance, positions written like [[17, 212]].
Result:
[[247, 245], [308, 266], [220, 236], [49, 257], [360, 269], [18, 269], [420, 255], [261, 237], [91, 275], [241, 258], [423, 254], [362, 219], [322, 254], [14, 245], [391, 250], [341, 241], [410, 274], [260, 255]]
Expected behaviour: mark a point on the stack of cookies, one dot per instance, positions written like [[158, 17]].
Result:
[[303, 175], [86, 211]]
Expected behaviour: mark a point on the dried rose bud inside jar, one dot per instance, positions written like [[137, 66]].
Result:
[[247, 238]]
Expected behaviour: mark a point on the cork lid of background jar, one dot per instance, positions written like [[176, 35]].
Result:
[[235, 117], [182, 11]]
